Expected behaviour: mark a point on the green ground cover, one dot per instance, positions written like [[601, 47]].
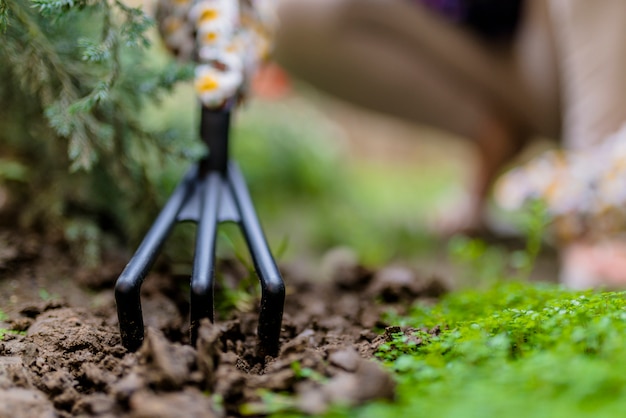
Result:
[[514, 350]]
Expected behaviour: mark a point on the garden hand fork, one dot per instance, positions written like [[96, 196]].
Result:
[[211, 192]]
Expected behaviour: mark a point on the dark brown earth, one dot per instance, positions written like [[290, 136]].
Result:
[[61, 354]]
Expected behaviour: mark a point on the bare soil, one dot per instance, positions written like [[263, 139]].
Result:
[[61, 354]]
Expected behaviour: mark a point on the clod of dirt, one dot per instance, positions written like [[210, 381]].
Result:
[[14, 249], [341, 265], [367, 382], [127, 386], [66, 354], [21, 324], [397, 283], [8, 252], [95, 375], [190, 403], [31, 310], [163, 364], [209, 350], [347, 359], [97, 404], [75, 331], [18, 402], [13, 373], [161, 313]]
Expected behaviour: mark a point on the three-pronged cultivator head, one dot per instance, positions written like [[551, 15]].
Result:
[[212, 191]]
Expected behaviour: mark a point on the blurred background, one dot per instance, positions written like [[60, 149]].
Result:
[[322, 173]]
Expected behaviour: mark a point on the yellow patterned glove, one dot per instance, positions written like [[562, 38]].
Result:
[[226, 38]]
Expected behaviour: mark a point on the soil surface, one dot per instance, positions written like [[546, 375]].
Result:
[[60, 354]]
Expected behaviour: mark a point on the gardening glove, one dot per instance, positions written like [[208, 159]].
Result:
[[226, 38]]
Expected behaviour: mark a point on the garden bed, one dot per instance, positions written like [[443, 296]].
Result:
[[61, 353], [364, 343]]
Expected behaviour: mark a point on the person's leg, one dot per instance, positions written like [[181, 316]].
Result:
[[591, 41], [532, 63], [403, 60]]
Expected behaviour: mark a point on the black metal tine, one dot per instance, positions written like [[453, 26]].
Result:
[[200, 197], [272, 285], [128, 285], [201, 303]]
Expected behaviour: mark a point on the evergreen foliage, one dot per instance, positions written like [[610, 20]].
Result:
[[74, 79]]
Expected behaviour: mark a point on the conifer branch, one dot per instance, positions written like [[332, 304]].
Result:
[[73, 83]]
